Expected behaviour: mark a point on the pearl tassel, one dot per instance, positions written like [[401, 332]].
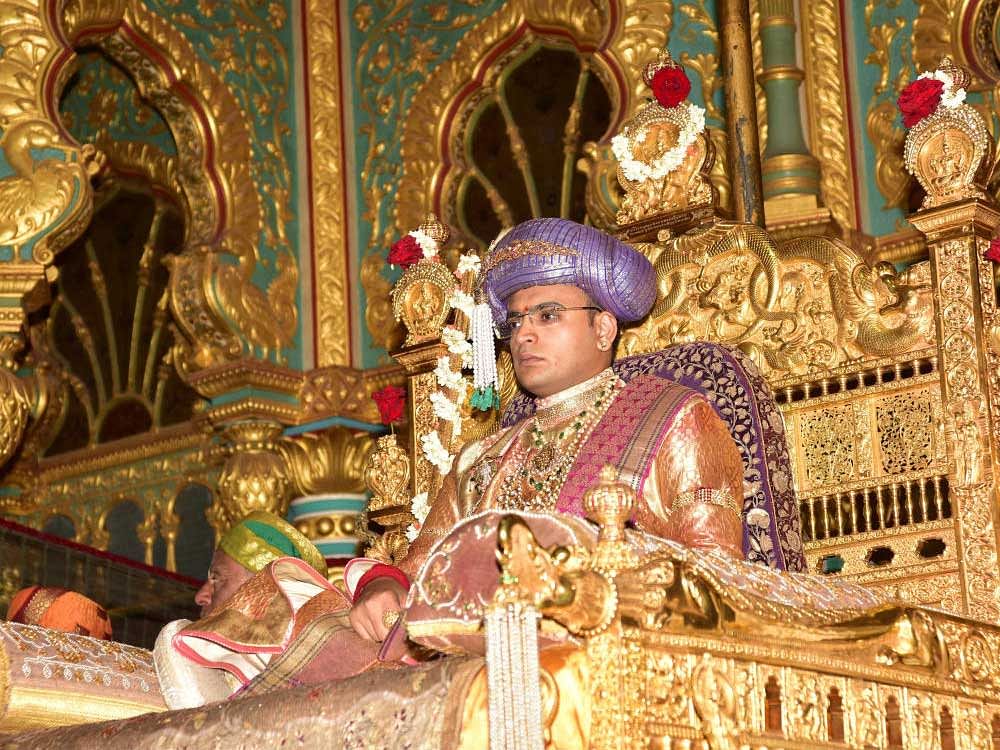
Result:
[[484, 359], [513, 677]]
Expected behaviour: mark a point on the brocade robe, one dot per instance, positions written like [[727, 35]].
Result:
[[665, 440]]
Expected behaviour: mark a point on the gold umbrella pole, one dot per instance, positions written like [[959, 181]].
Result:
[[741, 111]]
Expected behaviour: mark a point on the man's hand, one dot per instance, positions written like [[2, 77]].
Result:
[[368, 613]]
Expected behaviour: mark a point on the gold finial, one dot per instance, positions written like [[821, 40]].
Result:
[[960, 76], [610, 504], [663, 60], [435, 229]]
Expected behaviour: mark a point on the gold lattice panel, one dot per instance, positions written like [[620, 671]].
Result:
[[908, 426], [885, 433], [831, 449]]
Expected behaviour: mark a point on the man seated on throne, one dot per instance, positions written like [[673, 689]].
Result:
[[558, 292]]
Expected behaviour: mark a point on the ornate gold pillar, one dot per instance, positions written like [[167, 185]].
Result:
[[741, 111], [327, 470], [965, 310], [254, 477], [950, 153], [421, 301]]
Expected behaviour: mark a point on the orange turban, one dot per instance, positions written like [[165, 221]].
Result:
[[59, 609]]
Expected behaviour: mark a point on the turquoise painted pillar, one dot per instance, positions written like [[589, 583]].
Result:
[[791, 175]]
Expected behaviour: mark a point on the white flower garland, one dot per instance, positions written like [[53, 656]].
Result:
[[952, 95], [640, 171], [436, 453], [427, 243], [457, 344], [446, 407], [462, 302], [467, 263], [446, 377], [419, 507]]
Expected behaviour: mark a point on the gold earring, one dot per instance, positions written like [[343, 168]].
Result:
[[602, 345]]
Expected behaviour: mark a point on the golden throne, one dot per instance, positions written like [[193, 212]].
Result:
[[886, 385]]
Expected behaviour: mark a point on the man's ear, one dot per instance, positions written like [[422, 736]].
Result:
[[606, 327]]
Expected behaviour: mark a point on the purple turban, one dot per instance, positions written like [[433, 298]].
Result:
[[616, 276]]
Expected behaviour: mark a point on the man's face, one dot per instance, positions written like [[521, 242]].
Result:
[[550, 358], [225, 576]]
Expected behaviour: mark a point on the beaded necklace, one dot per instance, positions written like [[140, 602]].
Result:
[[537, 483]]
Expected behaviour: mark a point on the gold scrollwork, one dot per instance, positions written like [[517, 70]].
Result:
[[806, 305], [14, 405], [891, 177], [826, 98], [219, 309], [332, 461], [934, 31], [46, 203]]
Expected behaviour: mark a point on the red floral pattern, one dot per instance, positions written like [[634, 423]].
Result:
[[670, 86], [405, 252], [391, 401], [919, 99]]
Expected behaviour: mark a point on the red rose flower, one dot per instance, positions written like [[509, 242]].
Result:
[[405, 252], [994, 252], [670, 86], [390, 401], [919, 99]]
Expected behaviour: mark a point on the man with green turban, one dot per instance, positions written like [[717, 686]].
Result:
[[246, 549]]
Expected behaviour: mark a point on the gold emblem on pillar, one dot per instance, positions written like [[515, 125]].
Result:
[[254, 477], [420, 297], [387, 476], [949, 150], [657, 135], [15, 406]]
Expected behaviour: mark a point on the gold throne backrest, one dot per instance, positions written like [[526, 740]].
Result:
[[850, 353]]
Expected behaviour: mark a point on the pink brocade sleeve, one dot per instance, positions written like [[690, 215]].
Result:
[[444, 514], [697, 453]]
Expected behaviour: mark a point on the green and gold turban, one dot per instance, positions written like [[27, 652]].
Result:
[[262, 537]]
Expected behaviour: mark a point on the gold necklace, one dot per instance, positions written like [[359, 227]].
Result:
[[555, 409], [538, 482]]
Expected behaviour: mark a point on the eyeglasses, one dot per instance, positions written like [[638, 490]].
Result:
[[546, 315]]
